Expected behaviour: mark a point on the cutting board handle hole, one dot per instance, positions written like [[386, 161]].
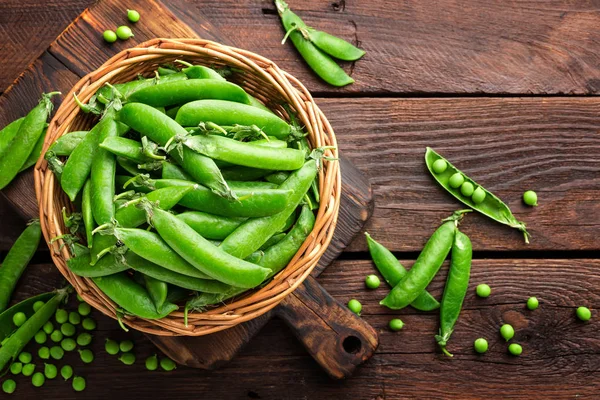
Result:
[[352, 344]]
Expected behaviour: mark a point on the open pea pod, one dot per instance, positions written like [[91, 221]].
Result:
[[487, 204], [26, 307]]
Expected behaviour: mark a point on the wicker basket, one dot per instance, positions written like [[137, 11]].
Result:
[[261, 78]]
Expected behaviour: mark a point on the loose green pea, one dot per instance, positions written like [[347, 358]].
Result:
[[483, 290], [396, 324], [439, 166], [48, 328], [38, 379], [84, 309], [16, 368], [480, 345], [167, 364], [86, 355], [28, 369], [530, 198], [50, 371], [111, 347], [74, 318], [37, 305], [25, 357], [372, 281], [127, 358], [88, 324], [507, 332], [126, 345], [84, 339], [9, 386], [467, 189], [124, 32], [584, 313], [44, 353], [456, 180], [478, 195], [532, 303], [66, 372], [61, 316], [40, 337], [133, 15], [68, 329], [57, 352], [19, 318], [78, 384], [56, 336], [355, 306], [68, 344], [152, 363], [109, 36], [515, 349]]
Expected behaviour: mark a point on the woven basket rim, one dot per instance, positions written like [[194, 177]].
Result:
[[262, 78]]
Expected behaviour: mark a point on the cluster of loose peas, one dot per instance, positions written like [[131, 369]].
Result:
[[123, 32]]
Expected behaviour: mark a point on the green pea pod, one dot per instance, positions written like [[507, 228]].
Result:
[[182, 92], [224, 113], [26, 307], [333, 45], [245, 154], [252, 234], [131, 167], [425, 267], [18, 150], [162, 71], [102, 178], [12, 347], [64, 145], [254, 102], [317, 60], [81, 264], [8, 133], [273, 240], [157, 290], [148, 268], [393, 272], [277, 177], [16, 261], [206, 257], [131, 296], [251, 185], [128, 88], [161, 129], [86, 212], [239, 173], [127, 148], [457, 284], [200, 72], [491, 206], [210, 226], [35, 153]]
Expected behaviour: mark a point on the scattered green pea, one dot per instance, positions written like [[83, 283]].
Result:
[[25, 357], [483, 290], [44, 353], [532, 303], [40, 337], [78, 384], [467, 189], [355, 306], [61, 316], [28, 369], [88, 324], [507, 332], [48, 328], [57, 352], [396, 324], [111, 347], [584, 313], [127, 358], [50, 371], [68, 344], [167, 364], [456, 180], [83, 339], [56, 336], [37, 305], [133, 15], [109, 36], [515, 349], [38, 379], [19, 318], [67, 329], [124, 32], [530, 198], [9, 386], [16, 368], [372, 281], [66, 372], [86, 355], [126, 345], [74, 318], [478, 195], [84, 309], [152, 363], [439, 166], [480, 345]]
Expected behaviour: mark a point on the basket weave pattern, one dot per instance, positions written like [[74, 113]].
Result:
[[259, 77]]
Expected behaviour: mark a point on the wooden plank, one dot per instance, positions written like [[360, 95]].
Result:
[[12, 225]]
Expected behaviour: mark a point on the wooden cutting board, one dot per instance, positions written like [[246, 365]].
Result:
[[337, 339]]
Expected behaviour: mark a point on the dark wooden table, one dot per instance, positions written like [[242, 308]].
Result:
[[505, 90]]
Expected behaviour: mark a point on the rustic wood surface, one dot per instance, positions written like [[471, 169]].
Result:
[[462, 51]]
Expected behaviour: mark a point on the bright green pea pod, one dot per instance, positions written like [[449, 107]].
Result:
[[491, 206], [251, 185], [240, 173], [128, 88], [161, 129], [80, 264], [200, 72], [182, 92], [210, 226], [15, 154], [12, 347], [87, 213], [277, 177], [455, 291], [131, 296], [317, 60], [245, 154], [129, 149], [162, 71], [26, 307], [65, 144], [9, 132], [258, 104], [252, 234], [334, 46], [16, 261], [102, 177], [393, 272], [273, 240], [157, 290], [172, 171], [35, 153], [225, 113], [206, 257]]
